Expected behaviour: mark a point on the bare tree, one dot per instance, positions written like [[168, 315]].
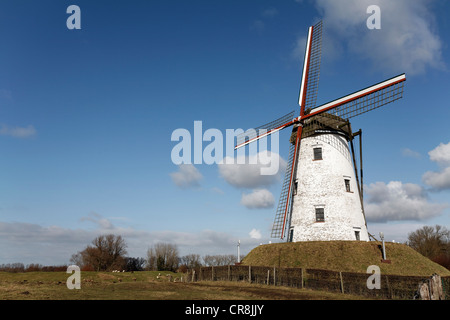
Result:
[[219, 259], [430, 242], [13, 267], [107, 252], [163, 256], [77, 259], [191, 260]]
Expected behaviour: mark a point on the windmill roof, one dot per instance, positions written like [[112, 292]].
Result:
[[320, 122]]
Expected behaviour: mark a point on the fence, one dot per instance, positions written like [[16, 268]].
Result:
[[391, 287]]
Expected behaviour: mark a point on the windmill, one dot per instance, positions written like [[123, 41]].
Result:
[[321, 197]]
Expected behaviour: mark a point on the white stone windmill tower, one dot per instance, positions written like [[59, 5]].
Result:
[[321, 198]]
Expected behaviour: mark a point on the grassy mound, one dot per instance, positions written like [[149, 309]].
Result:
[[345, 256]]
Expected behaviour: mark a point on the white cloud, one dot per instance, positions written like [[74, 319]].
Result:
[[439, 180], [102, 223], [187, 176], [441, 154], [245, 172], [255, 234], [258, 199], [407, 41], [17, 132], [54, 245], [217, 190], [406, 152], [399, 201]]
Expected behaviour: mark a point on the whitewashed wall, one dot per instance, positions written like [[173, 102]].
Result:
[[321, 184]]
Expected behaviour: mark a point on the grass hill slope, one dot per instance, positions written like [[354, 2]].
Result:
[[345, 256]]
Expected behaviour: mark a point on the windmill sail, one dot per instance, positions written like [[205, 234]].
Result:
[[364, 100], [314, 67], [262, 131], [311, 69], [371, 101], [279, 224], [307, 99]]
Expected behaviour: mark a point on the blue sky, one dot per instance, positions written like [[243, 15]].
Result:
[[86, 117]]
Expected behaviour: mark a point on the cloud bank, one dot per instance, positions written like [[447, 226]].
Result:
[[399, 201], [408, 40], [439, 180], [54, 245]]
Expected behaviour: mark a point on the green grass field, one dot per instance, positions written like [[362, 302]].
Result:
[[144, 286]]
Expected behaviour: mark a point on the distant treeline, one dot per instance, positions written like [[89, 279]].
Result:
[[181, 264], [108, 253], [20, 267]]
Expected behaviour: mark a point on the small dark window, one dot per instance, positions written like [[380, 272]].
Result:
[[295, 187], [347, 185], [317, 153], [357, 235], [320, 215], [291, 235]]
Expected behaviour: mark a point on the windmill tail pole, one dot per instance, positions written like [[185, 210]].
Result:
[[360, 184], [361, 194], [352, 136]]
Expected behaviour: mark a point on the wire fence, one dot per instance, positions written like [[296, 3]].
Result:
[[390, 286]]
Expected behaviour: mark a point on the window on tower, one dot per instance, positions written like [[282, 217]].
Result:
[[317, 153], [347, 185], [320, 215]]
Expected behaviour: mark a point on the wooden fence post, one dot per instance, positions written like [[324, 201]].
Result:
[[342, 282], [250, 274], [274, 276], [388, 287], [268, 276], [301, 273], [212, 273], [229, 273]]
